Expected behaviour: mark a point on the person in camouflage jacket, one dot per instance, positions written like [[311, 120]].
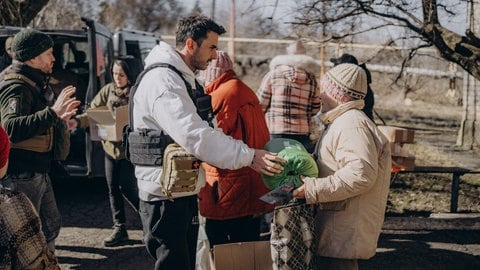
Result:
[[35, 123]]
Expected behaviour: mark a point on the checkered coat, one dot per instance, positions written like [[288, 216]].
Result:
[[289, 94], [22, 243]]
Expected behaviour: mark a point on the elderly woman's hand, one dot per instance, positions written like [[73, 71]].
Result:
[[299, 193]]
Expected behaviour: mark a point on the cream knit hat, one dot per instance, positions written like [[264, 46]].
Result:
[[216, 68], [345, 79]]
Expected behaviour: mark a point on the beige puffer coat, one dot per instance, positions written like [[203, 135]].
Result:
[[351, 191]]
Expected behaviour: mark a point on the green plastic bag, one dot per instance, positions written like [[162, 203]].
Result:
[[298, 162]]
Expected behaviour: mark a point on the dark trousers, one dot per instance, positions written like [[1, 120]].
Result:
[[304, 139], [244, 229], [39, 190], [170, 232], [327, 263], [121, 181]]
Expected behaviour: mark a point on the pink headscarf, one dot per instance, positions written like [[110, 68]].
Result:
[[216, 68]]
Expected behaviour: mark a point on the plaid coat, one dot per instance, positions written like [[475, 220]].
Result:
[[22, 244], [289, 94]]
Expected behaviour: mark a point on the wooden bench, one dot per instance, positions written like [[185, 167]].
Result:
[[456, 173]]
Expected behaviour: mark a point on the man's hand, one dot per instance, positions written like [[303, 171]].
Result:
[[267, 163], [66, 106]]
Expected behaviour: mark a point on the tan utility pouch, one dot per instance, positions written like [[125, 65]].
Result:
[[180, 171]]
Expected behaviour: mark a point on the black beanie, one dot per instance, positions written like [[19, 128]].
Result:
[[29, 43], [345, 58]]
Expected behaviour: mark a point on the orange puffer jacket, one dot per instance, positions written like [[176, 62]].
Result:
[[232, 194]]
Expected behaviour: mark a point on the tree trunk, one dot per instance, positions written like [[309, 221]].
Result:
[[469, 134], [19, 13]]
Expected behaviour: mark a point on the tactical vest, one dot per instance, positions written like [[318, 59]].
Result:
[[146, 146], [40, 143]]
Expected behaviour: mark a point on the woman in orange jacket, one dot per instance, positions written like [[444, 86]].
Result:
[[230, 199]]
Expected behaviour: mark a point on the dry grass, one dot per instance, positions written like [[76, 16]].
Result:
[[422, 194], [436, 118]]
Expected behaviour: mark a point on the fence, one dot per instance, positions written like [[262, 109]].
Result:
[[368, 53]]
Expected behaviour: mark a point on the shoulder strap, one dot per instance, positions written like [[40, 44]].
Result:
[[19, 77], [140, 76], [13, 78]]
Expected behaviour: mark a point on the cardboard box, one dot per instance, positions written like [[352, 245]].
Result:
[[397, 134], [403, 163], [400, 149], [109, 124], [244, 255], [93, 130]]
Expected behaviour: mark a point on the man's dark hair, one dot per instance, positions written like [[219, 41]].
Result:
[[196, 27]]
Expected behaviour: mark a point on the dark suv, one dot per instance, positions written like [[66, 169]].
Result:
[[83, 58]]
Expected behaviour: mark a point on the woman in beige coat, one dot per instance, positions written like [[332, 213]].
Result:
[[354, 173]]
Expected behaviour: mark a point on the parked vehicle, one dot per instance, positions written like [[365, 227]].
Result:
[[83, 58], [133, 42]]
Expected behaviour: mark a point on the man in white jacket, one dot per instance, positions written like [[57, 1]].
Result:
[[354, 163], [163, 103]]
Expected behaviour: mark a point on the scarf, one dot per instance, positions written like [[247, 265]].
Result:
[[328, 117]]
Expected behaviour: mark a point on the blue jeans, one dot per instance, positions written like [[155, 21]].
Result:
[[170, 232], [38, 188]]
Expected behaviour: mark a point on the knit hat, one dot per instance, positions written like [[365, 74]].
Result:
[[4, 147], [29, 43], [216, 68], [345, 80], [296, 47], [344, 58]]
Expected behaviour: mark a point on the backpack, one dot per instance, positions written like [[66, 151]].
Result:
[[148, 147]]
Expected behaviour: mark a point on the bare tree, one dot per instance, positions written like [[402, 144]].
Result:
[[19, 13], [425, 25], [110, 17], [420, 18], [146, 15], [59, 14]]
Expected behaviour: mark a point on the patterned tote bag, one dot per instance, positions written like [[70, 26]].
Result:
[[292, 240]]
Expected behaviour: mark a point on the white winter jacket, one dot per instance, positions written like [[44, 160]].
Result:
[[161, 102], [354, 176]]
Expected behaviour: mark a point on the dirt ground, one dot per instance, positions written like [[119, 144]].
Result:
[[444, 241]]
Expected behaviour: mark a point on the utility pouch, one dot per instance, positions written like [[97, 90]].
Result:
[[180, 171], [146, 147]]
